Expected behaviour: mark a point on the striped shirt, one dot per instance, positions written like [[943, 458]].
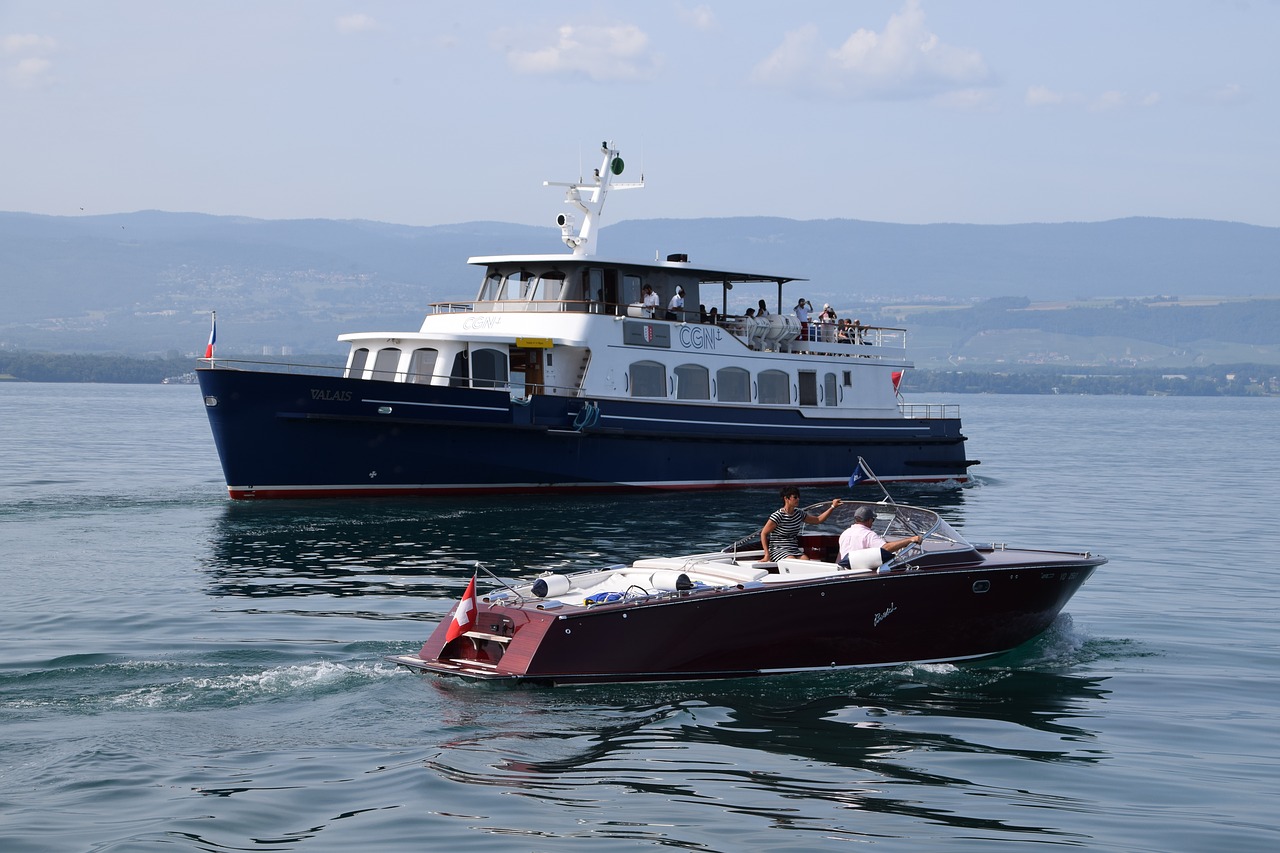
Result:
[[784, 541]]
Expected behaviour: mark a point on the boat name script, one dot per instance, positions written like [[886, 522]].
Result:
[[326, 394], [884, 614], [481, 322]]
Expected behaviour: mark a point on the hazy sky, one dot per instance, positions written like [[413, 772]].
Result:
[[983, 111]]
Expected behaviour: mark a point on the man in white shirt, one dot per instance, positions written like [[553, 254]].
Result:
[[675, 308], [650, 302], [860, 536], [802, 314]]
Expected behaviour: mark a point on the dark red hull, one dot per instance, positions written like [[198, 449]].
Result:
[[929, 614]]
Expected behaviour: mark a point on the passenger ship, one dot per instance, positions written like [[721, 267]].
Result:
[[558, 376]]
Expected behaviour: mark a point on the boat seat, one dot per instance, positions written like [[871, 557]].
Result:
[[790, 568], [729, 571], [680, 563]]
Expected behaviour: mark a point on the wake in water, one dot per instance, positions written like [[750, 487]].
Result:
[[93, 688]]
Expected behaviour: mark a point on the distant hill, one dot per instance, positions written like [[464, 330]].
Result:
[[145, 282], [875, 262]]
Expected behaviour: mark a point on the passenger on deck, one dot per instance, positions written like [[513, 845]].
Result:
[[675, 308], [780, 536], [802, 314], [860, 536], [713, 316], [761, 310], [702, 314], [650, 301], [827, 324]]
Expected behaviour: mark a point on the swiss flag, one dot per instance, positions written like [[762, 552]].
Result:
[[464, 617], [896, 376]]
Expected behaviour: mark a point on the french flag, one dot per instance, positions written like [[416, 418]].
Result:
[[213, 336]]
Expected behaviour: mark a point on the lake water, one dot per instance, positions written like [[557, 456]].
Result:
[[178, 672]]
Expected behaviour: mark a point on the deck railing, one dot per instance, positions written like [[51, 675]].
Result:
[[929, 411], [275, 366], [820, 338]]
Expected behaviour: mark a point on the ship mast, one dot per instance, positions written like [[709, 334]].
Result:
[[588, 198]]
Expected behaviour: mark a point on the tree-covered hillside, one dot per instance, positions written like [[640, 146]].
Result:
[[1160, 320]]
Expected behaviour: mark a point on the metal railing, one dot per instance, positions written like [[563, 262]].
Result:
[[274, 366], [929, 411]]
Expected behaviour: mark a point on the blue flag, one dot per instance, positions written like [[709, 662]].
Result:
[[857, 476]]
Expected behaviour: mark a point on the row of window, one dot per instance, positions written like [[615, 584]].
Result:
[[733, 384], [487, 368], [481, 368]]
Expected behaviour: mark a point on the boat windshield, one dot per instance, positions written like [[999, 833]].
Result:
[[893, 521]]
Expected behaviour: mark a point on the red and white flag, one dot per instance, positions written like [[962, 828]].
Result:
[[464, 617], [213, 336]]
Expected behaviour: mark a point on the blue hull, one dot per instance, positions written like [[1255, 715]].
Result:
[[285, 435]]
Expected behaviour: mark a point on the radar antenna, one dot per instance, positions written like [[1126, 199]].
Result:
[[588, 198]]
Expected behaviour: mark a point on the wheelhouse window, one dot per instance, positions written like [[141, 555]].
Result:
[[385, 363], [831, 395], [547, 288], [648, 379], [355, 368], [774, 387], [693, 382], [631, 288], [491, 290], [595, 289], [733, 385], [514, 286], [488, 368], [422, 364]]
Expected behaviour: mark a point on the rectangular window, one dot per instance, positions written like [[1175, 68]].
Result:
[[733, 385], [421, 365], [808, 388], [355, 370], [692, 382], [774, 387], [648, 379], [384, 366]]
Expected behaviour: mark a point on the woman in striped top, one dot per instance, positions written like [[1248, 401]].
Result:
[[780, 536]]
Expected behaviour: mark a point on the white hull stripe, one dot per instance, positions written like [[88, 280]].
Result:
[[436, 405], [832, 425], [661, 420]]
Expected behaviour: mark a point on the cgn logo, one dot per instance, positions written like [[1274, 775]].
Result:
[[699, 337]]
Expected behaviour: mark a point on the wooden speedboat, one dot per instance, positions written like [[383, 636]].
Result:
[[730, 613]]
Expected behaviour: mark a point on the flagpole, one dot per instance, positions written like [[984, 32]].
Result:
[[213, 335], [482, 567], [862, 463]]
